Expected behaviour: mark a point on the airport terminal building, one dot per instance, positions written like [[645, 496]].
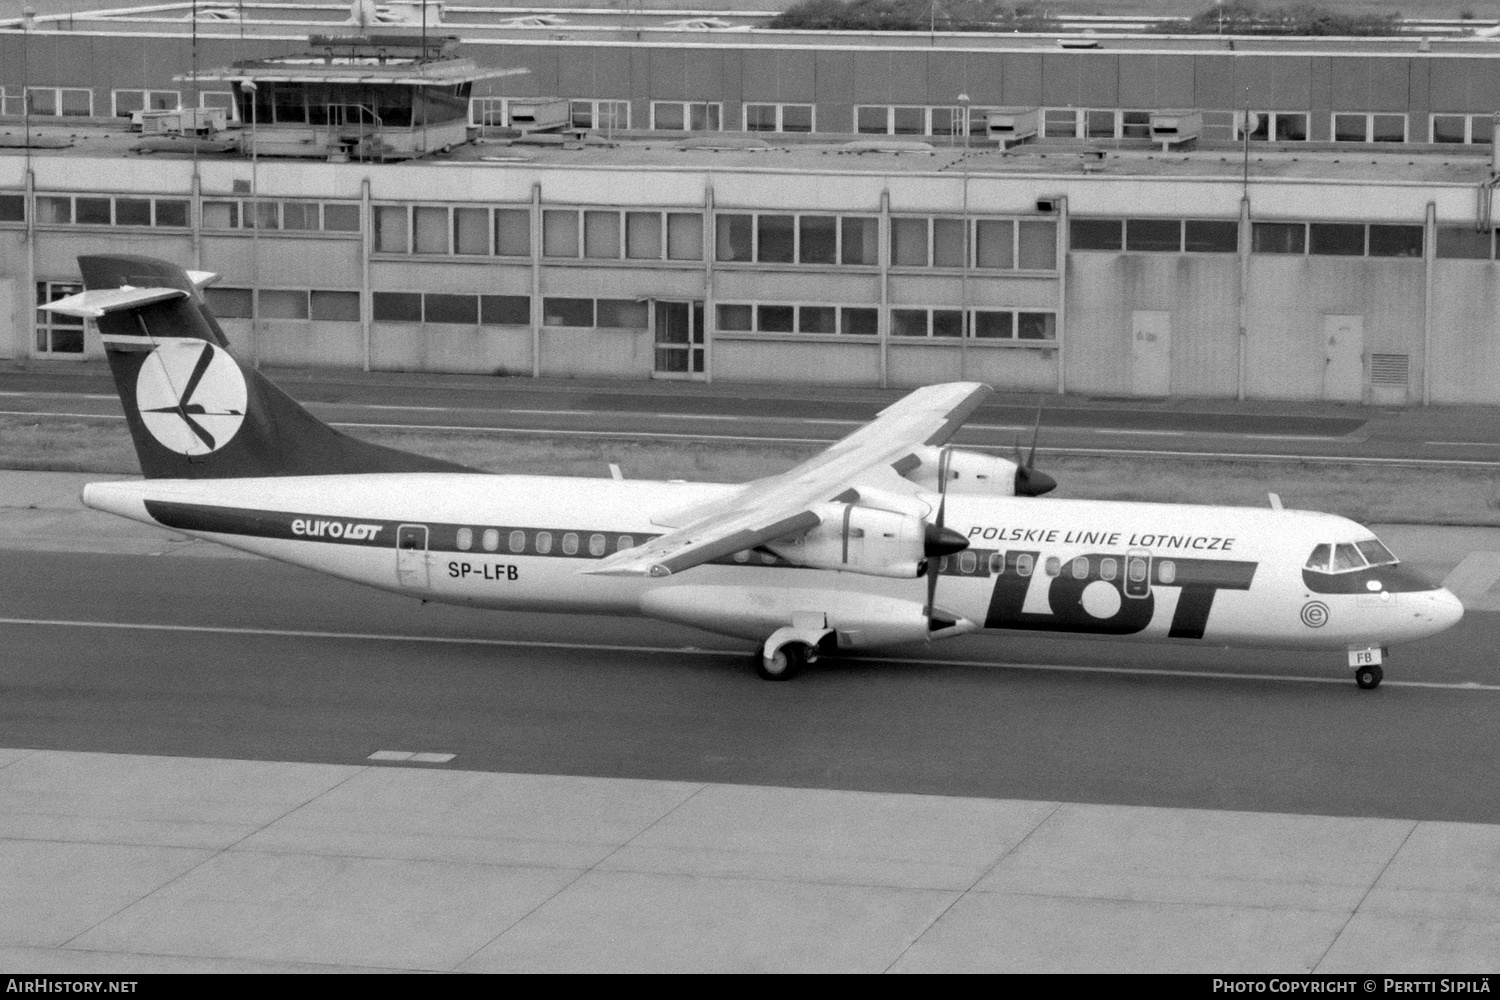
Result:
[[719, 201]]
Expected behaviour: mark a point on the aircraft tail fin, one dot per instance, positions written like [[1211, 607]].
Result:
[[193, 410]]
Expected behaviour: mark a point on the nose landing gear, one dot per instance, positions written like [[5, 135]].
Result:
[[1368, 677]]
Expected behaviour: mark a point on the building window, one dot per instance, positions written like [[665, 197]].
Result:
[[779, 118], [859, 242], [493, 111], [220, 99], [907, 120], [687, 116], [127, 102], [799, 319], [1463, 128], [1369, 128], [567, 312], [1463, 243], [909, 242], [1061, 123], [560, 233], [606, 115], [56, 333], [460, 310], [335, 307], [1336, 239], [512, 232], [276, 303], [11, 101], [1395, 241], [106, 211], [12, 208], [1096, 234], [505, 310], [396, 307], [1209, 236], [71, 102], [229, 303], [1272, 126], [621, 314], [684, 236], [601, 235], [1278, 237], [300, 216], [1153, 235]]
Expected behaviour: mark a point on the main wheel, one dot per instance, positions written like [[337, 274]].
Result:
[[1369, 677], [785, 663]]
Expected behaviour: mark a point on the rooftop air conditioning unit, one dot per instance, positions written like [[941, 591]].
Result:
[[1173, 128], [1013, 125]]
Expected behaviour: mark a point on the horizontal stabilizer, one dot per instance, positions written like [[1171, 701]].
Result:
[[97, 302]]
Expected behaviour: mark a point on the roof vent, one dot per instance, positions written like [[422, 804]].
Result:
[[886, 146]]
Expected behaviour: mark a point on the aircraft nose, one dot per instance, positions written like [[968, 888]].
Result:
[[1448, 610]]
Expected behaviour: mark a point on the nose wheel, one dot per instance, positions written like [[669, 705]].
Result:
[[1368, 677]]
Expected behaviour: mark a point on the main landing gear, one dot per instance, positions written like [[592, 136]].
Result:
[[1368, 677], [787, 662]]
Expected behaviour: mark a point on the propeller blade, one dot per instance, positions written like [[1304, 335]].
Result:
[[1035, 435], [1030, 482]]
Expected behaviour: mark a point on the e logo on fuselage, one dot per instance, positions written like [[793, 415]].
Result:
[[191, 396]]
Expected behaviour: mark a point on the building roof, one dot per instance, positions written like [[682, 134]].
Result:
[[722, 28]]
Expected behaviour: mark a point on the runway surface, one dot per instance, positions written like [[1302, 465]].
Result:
[[809, 415], [240, 658], [211, 762]]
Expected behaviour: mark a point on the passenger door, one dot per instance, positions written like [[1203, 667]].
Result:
[[411, 556]]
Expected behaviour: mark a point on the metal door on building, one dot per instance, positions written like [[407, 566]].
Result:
[[1344, 358], [411, 556], [1150, 353], [679, 340]]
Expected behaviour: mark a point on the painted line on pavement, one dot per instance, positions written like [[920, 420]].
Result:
[[1231, 456], [277, 633]]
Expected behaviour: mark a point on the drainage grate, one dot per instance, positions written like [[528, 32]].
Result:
[[1389, 369]]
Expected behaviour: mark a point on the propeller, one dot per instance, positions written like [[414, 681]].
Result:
[[937, 542], [1030, 482]]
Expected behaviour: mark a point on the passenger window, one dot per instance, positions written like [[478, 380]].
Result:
[[1108, 568], [544, 542], [1137, 569], [943, 564], [1319, 558], [1374, 552], [1081, 568], [1024, 564], [1166, 572], [997, 563], [968, 562], [570, 544], [596, 545], [1346, 557], [465, 539], [626, 542], [518, 541], [1054, 565], [490, 539]]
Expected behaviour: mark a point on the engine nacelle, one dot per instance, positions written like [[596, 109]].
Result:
[[858, 539], [970, 473]]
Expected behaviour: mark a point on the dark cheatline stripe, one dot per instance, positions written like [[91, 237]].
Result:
[[374, 532]]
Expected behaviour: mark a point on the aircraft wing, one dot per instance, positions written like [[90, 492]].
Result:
[[782, 505]]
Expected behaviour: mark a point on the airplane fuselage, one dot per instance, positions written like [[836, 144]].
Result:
[[1220, 575]]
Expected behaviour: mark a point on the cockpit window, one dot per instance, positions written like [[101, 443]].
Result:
[[1319, 558], [1346, 557], [1375, 553]]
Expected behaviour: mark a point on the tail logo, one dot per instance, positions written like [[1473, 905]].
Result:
[[191, 396]]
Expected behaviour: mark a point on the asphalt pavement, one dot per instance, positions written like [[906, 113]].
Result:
[[1468, 435]]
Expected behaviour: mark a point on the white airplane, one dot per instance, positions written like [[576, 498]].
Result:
[[888, 536]]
